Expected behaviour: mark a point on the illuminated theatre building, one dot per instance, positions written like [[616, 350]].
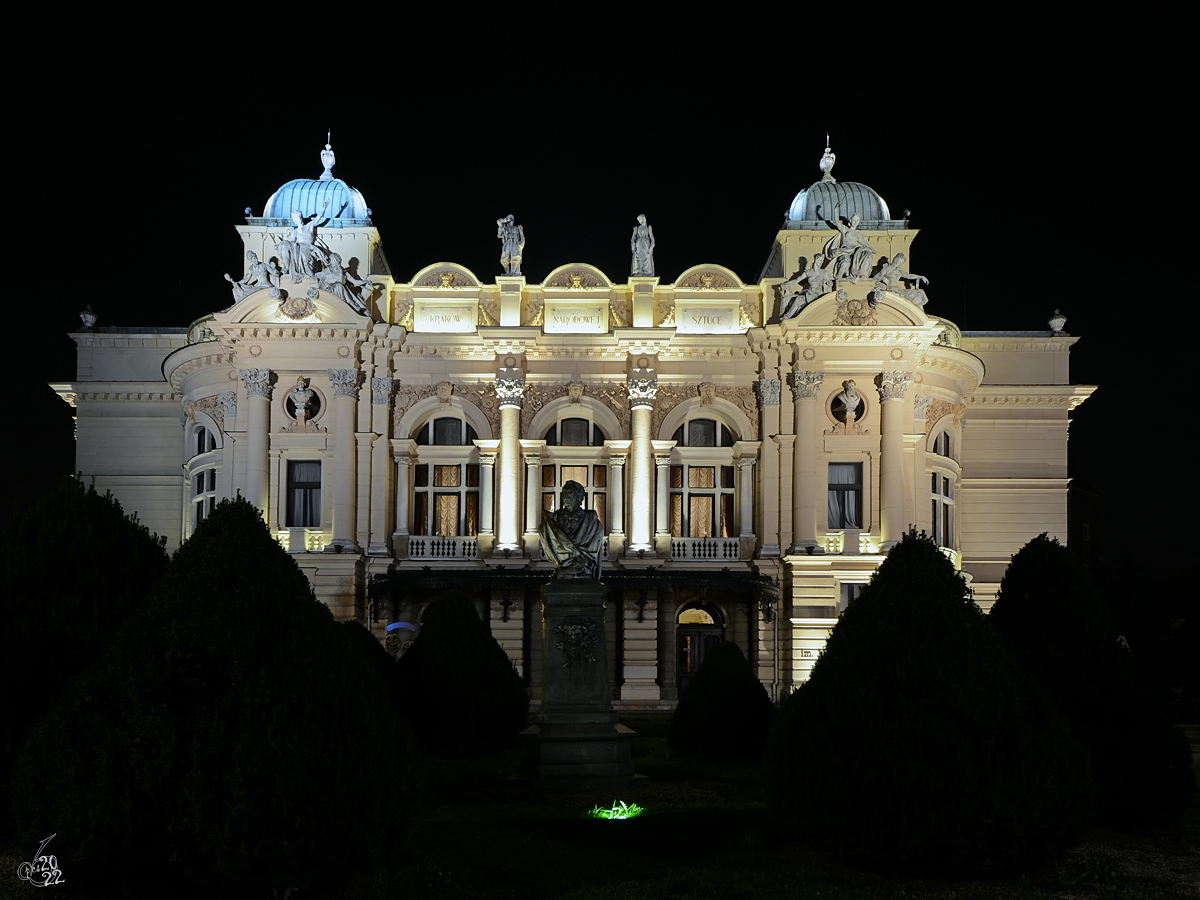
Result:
[[412, 448]]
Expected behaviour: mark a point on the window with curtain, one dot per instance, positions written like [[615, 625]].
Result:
[[702, 501], [303, 493], [446, 499], [845, 495]]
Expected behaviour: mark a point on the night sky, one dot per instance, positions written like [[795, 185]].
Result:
[[1028, 184]]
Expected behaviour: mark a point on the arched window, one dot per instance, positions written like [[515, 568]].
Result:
[[446, 431], [574, 433], [203, 474], [702, 481]]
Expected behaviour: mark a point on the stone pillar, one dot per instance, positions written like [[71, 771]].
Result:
[[258, 425], [662, 490], [532, 451], [402, 450], [509, 389], [768, 532], [487, 465], [642, 388], [345, 403], [381, 396], [805, 388], [746, 496], [618, 451], [891, 450]]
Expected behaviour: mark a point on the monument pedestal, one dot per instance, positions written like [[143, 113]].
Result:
[[577, 744]]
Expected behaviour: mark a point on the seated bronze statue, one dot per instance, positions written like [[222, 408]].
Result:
[[572, 537]]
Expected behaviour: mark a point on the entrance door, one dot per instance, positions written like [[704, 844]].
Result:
[[699, 628]]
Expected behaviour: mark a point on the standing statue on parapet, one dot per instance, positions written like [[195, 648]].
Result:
[[301, 249], [259, 275], [848, 251], [572, 537], [642, 247], [893, 278], [512, 244]]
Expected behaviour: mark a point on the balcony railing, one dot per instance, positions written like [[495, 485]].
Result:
[[706, 548], [443, 548]]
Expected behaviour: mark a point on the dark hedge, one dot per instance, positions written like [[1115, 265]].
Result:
[[235, 739], [462, 696], [1054, 622], [918, 742], [725, 713]]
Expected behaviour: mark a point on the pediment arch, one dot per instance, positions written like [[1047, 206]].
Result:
[[890, 311], [293, 307], [442, 275], [577, 276], [587, 408], [708, 277]]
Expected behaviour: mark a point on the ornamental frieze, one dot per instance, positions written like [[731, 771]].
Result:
[[671, 395], [939, 408], [706, 281], [210, 406], [613, 396], [482, 396]]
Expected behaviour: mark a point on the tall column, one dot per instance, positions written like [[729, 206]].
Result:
[[768, 398], [345, 403], [403, 450], [381, 395], [642, 388], [510, 390], [532, 451], [891, 450], [258, 425], [662, 490], [806, 385], [487, 466], [617, 453], [746, 496]]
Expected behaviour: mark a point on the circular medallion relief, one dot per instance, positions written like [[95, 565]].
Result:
[[255, 350], [343, 351], [897, 353], [809, 353], [510, 361]]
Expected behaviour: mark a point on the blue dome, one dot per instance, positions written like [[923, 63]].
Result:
[[307, 195], [814, 205]]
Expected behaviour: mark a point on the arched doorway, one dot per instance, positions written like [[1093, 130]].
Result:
[[698, 627]]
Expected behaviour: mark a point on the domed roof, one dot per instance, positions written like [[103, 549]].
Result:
[[325, 197], [813, 207]]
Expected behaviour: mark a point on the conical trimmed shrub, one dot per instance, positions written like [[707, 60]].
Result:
[[231, 737], [1055, 624], [918, 741], [463, 697], [725, 713]]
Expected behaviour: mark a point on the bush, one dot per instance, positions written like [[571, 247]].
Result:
[[463, 697], [918, 741], [1052, 619], [725, 713], [229, 736], [75, 568]]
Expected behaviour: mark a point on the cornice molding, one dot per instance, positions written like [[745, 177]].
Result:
[[1067, 396]]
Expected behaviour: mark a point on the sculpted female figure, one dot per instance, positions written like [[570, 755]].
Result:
[[642, 247], [572, 536]]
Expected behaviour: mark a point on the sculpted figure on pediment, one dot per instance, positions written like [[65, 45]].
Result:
[[817, 281], [893, 278], [849, 253], [512, 244], [642, 247], [301, 250], [333, 278], [259, 275]]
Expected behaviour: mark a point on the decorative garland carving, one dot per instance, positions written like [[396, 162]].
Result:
[[408, 395], [212, 406], [938, 408], [482, 396], [575, 281], [445, 279], [671, 395], [616, 397], [537, 396], [706, 281]]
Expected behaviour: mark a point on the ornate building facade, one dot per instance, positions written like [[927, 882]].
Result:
[[752, 450]]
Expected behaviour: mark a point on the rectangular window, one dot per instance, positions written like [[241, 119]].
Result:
[[303, 494], [446, 515], [845, 495]]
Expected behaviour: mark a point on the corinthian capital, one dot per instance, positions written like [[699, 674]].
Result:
[[258, 382], [893, 384], [381, 390], [510, 390], [345, 382], [805, 385], [642, 390], [768, 391]]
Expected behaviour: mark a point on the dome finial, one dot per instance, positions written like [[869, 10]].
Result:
[[327, 160], [827, 161]]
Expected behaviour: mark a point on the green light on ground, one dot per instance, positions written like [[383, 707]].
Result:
[[618, 810]]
